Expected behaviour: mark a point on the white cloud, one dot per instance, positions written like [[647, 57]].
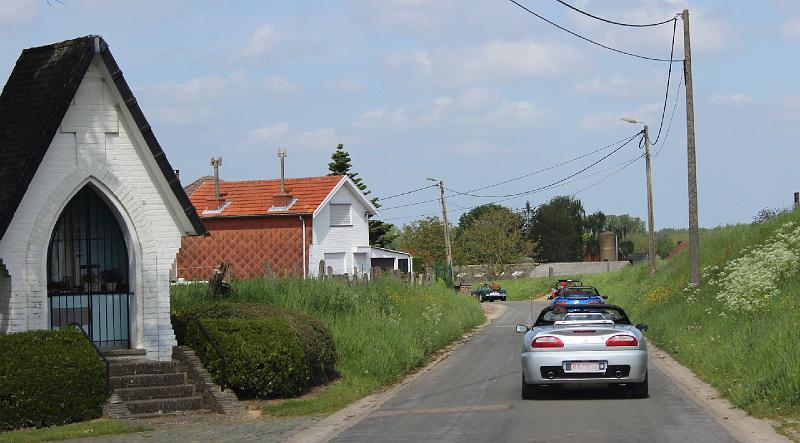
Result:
[[344, 86], [517, 113], [478, 98], [496, 60], [380, 117], [791, 28], [18, 11], [619, 84], [199, 89], [261, 42], [610, 120], [281, 134], [738, 98], [269, 133], [280, 87]]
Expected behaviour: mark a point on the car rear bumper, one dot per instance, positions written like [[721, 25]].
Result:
[[629, 366]]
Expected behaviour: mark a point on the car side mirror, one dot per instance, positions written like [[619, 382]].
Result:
[[605, 297], [642, 327], [522, 329]]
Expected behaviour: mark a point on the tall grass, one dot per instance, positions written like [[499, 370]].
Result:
[[751, 356], [382, 330]]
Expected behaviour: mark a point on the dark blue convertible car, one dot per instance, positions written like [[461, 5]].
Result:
[[578, 295]]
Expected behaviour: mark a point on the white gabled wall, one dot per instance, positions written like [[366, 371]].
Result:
[[339, 239], [97, 143]]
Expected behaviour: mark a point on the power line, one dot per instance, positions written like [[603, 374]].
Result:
[[624, 165], [669, 76], [550, 167], [556, 182], [669, 126], [633, 25], [625, 140], [590, 40], [405, 193]]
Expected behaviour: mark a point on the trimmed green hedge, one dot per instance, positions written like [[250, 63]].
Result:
[[269, 351], [49, 378]]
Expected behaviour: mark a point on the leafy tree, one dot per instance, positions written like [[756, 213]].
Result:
[[626, 246], [622, 225], [494, 237], [381, 234], [468, 218], [664, 245], [424, 240], [557, 229], [595, 223]]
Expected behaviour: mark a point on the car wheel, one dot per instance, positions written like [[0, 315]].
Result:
[[529, 392], [639, 390], [504, 299]]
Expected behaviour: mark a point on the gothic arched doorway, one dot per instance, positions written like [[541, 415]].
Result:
[[87, 272]]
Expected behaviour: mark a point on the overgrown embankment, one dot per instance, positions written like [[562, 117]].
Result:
[[740, 330], [382, 330]]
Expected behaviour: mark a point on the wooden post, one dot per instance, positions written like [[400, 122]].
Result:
[[330, 271], [321, 272]]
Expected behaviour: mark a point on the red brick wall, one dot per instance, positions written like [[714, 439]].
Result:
[[248, 244]]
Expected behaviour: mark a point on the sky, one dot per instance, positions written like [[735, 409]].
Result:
[[473, 92]]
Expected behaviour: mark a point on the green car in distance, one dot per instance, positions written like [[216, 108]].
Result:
[[489, 292]]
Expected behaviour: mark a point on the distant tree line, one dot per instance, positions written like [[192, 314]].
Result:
[[556, 231]]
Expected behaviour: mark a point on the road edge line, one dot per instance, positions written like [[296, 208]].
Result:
[[736, 421], [347, 417]]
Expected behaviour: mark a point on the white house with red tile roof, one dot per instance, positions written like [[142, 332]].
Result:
[[262, 226]]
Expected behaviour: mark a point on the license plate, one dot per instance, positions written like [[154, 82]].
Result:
[[584, 366]]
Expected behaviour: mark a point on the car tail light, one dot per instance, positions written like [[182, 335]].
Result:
[[622, 340], [547, 341]]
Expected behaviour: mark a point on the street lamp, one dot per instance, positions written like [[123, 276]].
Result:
[[651, 243]]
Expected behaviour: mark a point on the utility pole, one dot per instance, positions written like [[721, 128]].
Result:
[[694, 232], [651, 240], [447, 248]]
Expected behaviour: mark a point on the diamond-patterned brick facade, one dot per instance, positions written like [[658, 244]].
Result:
[[248, 244]]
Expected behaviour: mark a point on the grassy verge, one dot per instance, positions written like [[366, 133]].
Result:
[[751, 357], [382, 330], [91, 428]]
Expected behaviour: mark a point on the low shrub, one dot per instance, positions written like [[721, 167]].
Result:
[[49, 378], [269, 351]]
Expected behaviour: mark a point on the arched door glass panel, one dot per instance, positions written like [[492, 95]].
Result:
[[87, 272]]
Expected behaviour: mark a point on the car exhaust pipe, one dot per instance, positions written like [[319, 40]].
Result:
[[551, 375], [618, 374]]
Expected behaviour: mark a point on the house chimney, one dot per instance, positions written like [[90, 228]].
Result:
[[282, 198], [216, 163]]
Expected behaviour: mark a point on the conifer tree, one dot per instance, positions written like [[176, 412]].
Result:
[[380, 234]]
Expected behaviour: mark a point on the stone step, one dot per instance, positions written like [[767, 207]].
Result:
[[164, 405], [134, 367], [150, 393], [148, 380]]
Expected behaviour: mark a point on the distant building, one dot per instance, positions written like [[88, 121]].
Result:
[[259, 229]]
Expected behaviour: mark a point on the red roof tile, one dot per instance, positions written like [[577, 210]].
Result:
[[255, 197]]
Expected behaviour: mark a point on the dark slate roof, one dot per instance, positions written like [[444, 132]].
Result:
[[33, 104]]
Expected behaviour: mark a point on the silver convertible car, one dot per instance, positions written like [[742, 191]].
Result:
[[583, 344]]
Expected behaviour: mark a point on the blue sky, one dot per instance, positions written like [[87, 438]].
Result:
[[471, 91]]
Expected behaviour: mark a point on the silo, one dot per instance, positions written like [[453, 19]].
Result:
[[608, 246]]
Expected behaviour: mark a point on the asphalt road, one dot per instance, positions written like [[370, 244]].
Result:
[[475, 396]]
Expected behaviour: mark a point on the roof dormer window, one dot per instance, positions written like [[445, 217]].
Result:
[[282, 208]]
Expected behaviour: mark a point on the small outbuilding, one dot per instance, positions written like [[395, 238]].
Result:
[[91, 212]]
